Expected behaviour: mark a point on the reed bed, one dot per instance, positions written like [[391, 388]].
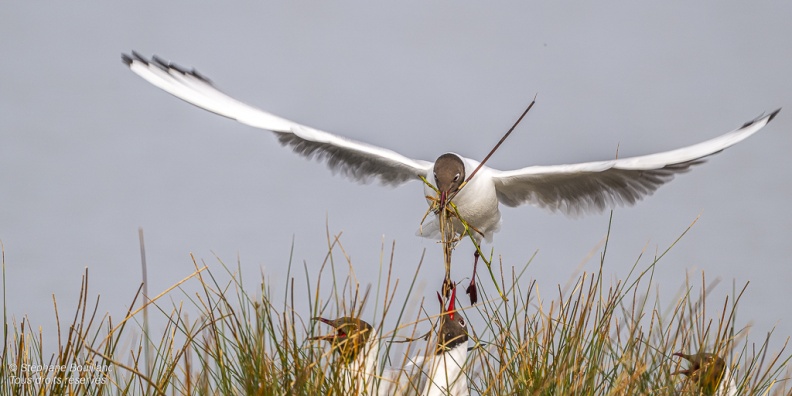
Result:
[[591, 337]]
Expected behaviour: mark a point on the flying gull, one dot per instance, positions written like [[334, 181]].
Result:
[[572, 189]]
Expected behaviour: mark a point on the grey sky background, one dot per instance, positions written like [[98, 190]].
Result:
[[90, 152]]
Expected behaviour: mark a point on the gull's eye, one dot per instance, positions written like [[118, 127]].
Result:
[[435, 175], [462, 322], [456, 178]]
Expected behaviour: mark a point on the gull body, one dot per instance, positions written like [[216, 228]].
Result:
[[444, 370], [357, 349], [710, 374], [572, 189], [448, 376], [356, 346]]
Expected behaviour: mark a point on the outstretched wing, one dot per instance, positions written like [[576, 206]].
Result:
[[359, 161], [592, 186]]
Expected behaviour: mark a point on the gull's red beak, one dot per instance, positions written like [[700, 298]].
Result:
[[327, 337], [451, 309], [443, 197], [685, 372]]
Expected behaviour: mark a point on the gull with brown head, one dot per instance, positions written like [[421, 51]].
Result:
[[709, 373], [572, 189], [445, 368]]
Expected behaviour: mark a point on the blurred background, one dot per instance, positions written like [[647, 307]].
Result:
[[89, 152]]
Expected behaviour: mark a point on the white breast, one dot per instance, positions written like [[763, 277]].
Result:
[[360, 376], [447, 375], [727, 385]]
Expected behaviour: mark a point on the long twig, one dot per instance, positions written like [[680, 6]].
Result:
[[484, 161]]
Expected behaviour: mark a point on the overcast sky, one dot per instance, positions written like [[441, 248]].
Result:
[[90, 152]]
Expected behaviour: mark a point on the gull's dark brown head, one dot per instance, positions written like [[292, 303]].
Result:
[[453, 329], [705, 369], [449, 174], [350, 337]]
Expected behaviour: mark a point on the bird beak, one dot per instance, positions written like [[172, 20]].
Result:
[[327, 337], [687, 372], [443, 197], [323, 320], [451, 309]]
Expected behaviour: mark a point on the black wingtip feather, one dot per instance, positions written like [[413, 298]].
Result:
[[135, 57], [178, 68], [769, 118], [195, 74], [163, 64], [773, 114], [139, 57]]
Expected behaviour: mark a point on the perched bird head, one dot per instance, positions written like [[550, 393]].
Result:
[[706, 370], [453, 329], [350, 338], [449, 174]]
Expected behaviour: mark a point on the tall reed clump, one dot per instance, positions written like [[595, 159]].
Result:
[[592, 337]]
